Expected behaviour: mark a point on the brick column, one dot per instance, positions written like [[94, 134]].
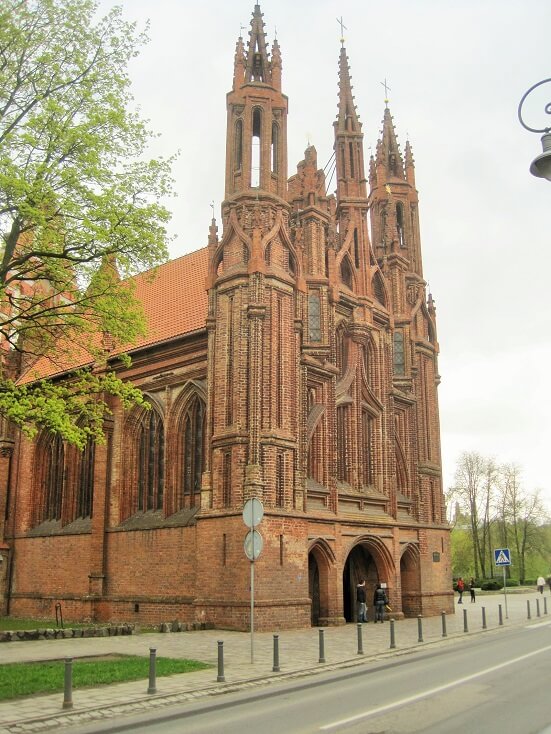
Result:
[[6, 451], [102, 479]]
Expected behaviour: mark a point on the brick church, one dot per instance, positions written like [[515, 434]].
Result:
[[294, 360]]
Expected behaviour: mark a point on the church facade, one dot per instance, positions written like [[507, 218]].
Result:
[[292, 360]]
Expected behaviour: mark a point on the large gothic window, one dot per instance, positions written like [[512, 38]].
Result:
[[151, 469], [256, 151], [314, 317], [193, 436], [400, 224], [51, 472]]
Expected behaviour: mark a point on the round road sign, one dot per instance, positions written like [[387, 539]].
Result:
[[253, 545], [253, 512]]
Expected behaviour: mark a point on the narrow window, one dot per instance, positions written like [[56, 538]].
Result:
[[346, 273], [400, 224], [275, 147], [255, 151], [238, 145], [398, 353], [193, 449], [85, 490], [351, 153], [356, 249], [226, 479], [281, 550], [314, 317], [55, 461], [280, 480], [151, 463], [224, 549]]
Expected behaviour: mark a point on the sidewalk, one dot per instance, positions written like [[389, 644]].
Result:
[[298, 656]]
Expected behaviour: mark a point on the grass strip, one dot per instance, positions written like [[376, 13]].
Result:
[[27, 679]]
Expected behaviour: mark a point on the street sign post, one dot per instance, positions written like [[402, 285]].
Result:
[[502, 557], [253, 512]]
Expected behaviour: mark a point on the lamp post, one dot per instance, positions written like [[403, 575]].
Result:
[[541, 165]]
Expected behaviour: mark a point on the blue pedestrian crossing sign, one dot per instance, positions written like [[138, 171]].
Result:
[[502, 556]]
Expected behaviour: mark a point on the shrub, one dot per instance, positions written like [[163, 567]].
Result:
[[491, 585]]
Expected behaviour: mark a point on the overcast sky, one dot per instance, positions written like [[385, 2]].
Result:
[[457, 71]]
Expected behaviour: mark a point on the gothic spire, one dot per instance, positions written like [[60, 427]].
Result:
[[258, 63], [409, 164], [239, 64], [347, 118], [388, 152]]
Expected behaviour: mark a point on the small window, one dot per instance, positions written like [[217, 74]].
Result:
[[238, 145], [314, 317], [398, 353]]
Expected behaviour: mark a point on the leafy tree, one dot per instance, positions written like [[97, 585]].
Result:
[[79, 204]]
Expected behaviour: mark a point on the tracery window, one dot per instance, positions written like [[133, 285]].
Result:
[[314, 317], [193, 448], [85, 488], [52, 471], [151, 467]]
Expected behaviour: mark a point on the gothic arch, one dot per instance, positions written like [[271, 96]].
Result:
[[186, 450], [321, 559], [143, 460], [49, 478], [381, 554], [410, 579]]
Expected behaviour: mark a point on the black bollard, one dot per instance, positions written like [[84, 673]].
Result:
[[360, 641], [152, 688], [322, 646], [484, 618], [221, 678], [392, 637], [444, 631], [538, 608], [528, 609], [545, 605], [500, 612], [276, 668], [68, 688], [419, 628], [465, 624]]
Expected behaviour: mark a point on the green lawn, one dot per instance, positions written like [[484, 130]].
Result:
[[26, 679], [12, 624]]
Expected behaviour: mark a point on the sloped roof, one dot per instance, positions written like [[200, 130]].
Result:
[[174, 301]]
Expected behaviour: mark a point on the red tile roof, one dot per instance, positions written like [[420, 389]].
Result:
[[174, 301]]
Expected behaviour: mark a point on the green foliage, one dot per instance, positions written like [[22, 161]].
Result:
[[79, 200], [26, 679], [492, 585]]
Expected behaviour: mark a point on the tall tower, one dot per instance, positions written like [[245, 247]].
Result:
[[254, 278]]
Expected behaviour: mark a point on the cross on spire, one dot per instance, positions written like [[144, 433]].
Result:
[[343, 29], [387, 90], [241, 29]]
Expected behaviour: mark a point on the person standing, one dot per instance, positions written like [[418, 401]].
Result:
[[379, 602], [541, 584], [460, 589], [471, 589], [361, 600]]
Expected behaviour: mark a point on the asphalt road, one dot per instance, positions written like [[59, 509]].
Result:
[[495, 684]]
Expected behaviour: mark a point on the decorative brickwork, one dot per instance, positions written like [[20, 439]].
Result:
[[304, 374]]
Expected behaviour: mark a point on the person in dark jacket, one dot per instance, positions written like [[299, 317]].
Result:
[[361, 600], [471, 589], [379, 602]]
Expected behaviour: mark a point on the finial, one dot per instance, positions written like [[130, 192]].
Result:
[[387, 90], [275, 33], [212, 207], [343, 29]]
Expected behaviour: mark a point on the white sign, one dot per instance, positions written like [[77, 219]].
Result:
[[253, 512], [253, 545]]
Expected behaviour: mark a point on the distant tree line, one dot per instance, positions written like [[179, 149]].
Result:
[[492, 509]]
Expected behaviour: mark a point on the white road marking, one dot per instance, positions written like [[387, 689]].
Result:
[[538, 624], [431, 691]]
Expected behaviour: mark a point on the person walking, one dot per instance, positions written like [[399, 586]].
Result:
[[460, 589], [540, 584], [379, 602], [361, 601], [471, 589]]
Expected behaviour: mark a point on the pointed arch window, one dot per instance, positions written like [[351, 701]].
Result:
[[400, 224], [379, 289], [351, 154], [151, 467], [193, 448], [256, 148], [52, 478], [346, 273]]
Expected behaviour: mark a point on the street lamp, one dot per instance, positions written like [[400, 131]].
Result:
[[541, 165]]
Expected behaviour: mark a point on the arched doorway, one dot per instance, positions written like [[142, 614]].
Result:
[[410, 581], [359, 565], [314, 589]]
